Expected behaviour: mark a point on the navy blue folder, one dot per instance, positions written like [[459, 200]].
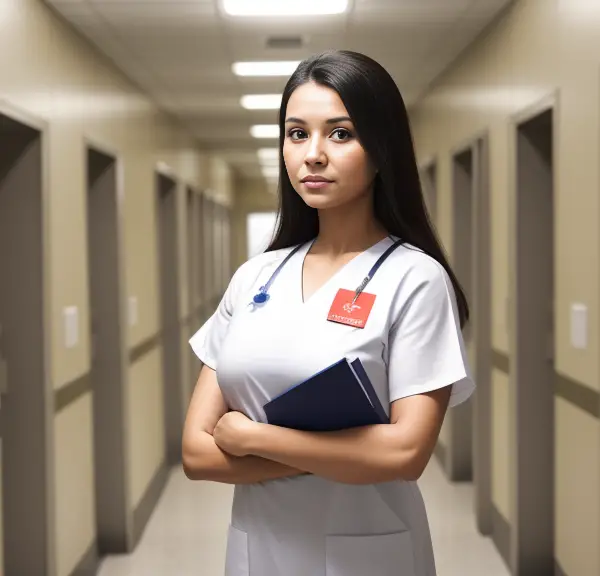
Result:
[[339, 397]]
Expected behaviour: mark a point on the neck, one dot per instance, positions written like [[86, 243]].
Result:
[[351, 228]]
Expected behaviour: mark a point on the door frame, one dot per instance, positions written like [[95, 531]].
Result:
[[170, 332], [548, 103], [478, 145], [482, 336], [102, 147], [209, 253], [193, 265], [192, 230], [42, 126], [481, 324], [481, 333], [226, 252], [199, 313], [217, 231], [429, 162]]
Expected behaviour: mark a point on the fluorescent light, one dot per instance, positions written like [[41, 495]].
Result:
[[270, 172], [261, 101], [265, 131], [268, 155], [269, 163], [284, 7], [277, 68]]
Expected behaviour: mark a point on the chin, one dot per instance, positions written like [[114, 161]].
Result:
[[320, 199], [320, 202]]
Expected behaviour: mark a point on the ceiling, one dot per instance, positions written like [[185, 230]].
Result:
[[180, 52]]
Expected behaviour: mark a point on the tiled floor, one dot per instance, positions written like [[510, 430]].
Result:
[[186, 534]]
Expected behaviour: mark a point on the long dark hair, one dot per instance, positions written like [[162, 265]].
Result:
[[379, 115]]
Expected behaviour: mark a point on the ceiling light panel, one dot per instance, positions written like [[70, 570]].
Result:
[[268, 154], [276, 68], [265, 131], [270, 171], [284, 7], [269, 163], [261, 101]]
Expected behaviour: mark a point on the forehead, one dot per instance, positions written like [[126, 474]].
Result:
[[313, 102]]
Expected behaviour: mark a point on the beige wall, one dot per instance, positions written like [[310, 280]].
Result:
[[540, 47], [51, 74]]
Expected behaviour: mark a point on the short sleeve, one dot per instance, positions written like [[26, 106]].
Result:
[[426, 350], [206, 342]]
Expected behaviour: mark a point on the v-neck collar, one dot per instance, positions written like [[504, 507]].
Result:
[[374, 251]]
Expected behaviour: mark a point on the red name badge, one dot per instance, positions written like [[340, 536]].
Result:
[[344, 311]]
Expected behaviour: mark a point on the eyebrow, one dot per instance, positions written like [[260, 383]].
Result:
[[293, 120]]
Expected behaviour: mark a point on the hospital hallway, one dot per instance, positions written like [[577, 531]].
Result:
[[186, 533], [149, 159]]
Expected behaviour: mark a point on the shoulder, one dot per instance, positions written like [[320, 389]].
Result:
[[413, 267], [416, 276]]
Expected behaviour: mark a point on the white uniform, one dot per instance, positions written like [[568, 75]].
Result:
[[412, 343]]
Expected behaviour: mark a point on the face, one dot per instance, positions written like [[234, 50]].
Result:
[[326, 164]]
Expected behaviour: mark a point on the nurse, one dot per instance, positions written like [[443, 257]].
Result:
[[354, 270]]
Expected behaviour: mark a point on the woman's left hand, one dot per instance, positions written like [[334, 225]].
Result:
[[233, 432]]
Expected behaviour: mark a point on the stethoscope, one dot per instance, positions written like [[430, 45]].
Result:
[[263, 292]]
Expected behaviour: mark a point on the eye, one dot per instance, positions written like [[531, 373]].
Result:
[[342, 134], [296, 133]]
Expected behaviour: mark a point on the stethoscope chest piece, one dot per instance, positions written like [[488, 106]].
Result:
[[263, 293], [261, 297]]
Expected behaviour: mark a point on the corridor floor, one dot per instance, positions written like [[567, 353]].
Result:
[[186, 534]]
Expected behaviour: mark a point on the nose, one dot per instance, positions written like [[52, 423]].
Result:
[[315, 153]]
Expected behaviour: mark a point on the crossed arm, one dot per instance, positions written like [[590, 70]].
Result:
[[230, 448]]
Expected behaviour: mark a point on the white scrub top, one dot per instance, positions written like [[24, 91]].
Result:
[[412, 343]]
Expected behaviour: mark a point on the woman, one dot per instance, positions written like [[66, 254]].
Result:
[[341, 503]]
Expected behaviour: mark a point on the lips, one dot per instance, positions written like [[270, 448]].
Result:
[[315, 179]]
